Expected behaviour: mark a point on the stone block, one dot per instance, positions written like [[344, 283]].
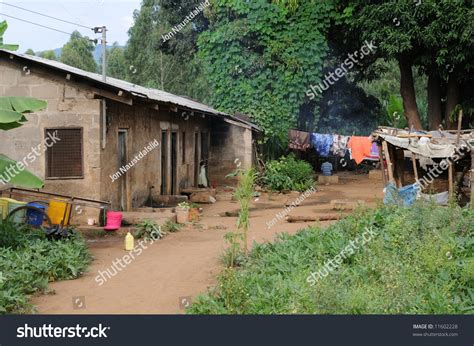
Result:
[[375, 174], [331, 179]]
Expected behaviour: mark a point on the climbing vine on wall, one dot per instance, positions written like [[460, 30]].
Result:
[[262, 56]]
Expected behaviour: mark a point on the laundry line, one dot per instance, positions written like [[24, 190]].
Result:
[[360, 148]]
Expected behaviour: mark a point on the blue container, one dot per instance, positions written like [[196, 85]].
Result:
[[34, 217]]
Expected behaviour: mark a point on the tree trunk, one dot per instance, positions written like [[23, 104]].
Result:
[[434, 100], [453, 95], [407, 90]]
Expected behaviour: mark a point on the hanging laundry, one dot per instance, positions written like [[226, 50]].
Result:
[[361, 147], [298, 140], [339, 145], [322, 143], [374, 152]]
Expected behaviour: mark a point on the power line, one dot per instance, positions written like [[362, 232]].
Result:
[[43, 26], [45, 15]]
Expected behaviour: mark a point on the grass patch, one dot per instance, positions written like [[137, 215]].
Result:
[[421, 262], [28, 261]]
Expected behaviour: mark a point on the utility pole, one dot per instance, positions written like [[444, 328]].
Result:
[[103, 31], [104, 53]]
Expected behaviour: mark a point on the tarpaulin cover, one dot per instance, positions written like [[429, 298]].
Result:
[[405, 196], [423, 146]]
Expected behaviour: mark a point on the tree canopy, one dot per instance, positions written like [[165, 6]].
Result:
[[78, 52]]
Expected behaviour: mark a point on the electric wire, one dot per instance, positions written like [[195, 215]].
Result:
[[45, 15]]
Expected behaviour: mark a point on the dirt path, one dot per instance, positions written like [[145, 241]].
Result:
[[186, 263]]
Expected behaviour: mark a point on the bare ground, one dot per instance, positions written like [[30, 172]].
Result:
[[182, 265]]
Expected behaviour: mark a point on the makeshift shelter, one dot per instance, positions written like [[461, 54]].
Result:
[[441, 166]]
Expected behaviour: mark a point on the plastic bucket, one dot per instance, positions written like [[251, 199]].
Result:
[[59, 210], [4, 206], [114, 220], [35, 217], [19, 216]]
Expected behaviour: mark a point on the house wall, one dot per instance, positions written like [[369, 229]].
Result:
[[231, 149], [68, 106], [145, 124], [72, 104]]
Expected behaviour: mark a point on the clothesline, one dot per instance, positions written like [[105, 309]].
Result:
[[359, 147]]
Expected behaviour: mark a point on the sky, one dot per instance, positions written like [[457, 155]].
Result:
[[116, 15]]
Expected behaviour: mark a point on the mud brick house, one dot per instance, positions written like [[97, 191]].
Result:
[[104, 125]]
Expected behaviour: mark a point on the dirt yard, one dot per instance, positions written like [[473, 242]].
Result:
[[169, 273]]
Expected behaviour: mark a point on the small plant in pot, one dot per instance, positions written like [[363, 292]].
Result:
[[182, 212]]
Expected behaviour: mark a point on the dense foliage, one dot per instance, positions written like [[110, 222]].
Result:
[[78, 52], [420, 262], [28, 261], [288, 173], [261, 57]]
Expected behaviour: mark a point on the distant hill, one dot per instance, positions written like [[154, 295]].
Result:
[[97, 52]]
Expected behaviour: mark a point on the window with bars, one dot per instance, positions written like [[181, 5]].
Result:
[[64, 159]]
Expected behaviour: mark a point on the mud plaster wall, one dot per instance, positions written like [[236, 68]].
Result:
[[145, 124]]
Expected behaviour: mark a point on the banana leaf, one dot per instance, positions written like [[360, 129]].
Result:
[[12, 109], [18, 178], [3, 28]]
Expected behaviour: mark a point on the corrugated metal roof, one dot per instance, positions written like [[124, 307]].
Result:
[[136, 90]]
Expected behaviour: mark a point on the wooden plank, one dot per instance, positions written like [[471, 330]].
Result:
[[389, 162], [102, 93]]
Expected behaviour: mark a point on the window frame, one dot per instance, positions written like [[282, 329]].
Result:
[[46, 155]]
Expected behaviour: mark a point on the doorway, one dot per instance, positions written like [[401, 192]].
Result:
[[169, 163], [164, 162]]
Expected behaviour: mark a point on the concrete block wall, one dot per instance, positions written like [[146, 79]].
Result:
[[68, 106]]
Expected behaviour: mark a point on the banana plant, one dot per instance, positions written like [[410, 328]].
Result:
[[3, 28], [12, 115]]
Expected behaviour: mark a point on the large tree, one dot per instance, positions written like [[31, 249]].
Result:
[[167, 64], [262, 56], [435, 35], [78, 52]]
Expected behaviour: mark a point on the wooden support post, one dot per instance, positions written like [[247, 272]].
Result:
[[413, 159], [382, 166], [451, 180], [389, 162], [459, 128], [472, 179]]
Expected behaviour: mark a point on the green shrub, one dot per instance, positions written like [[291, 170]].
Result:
[[148, 229], [288, 173], [28, 261], [421, 262]]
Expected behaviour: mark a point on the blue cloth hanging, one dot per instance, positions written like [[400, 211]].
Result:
[[322, 143]]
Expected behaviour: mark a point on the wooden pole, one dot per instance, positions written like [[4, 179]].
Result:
[[413, 159], [389, 162], [472, 179], [459, 127], [382, 166], [451, 181]]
